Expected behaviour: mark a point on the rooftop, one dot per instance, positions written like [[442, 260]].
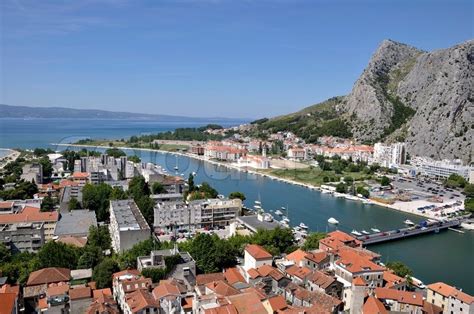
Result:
[[75, 223], [449, 291], [258, 252], [128, 215]]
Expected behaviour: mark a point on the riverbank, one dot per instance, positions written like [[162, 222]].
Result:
[[405, 207], [12, 155]]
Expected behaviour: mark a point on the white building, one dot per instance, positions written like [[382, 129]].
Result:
[[297, 153], [389, 155], [256, 256], [443, 169], [127, 225], [32, 173]]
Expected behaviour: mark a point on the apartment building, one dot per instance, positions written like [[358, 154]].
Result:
[[29, 214], [441, 169], [33, 173], [450, 299], [23, 237], [127, 225], [196, 214], [389, 155]]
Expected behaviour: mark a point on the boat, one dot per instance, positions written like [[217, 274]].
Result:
[[375, 229], [351, 197], [409, 222], [257, 207], [365, 232], [176, 167], [268, 218], [355, 232], [194, 173], [333, 221], [338, 194], [303, 226], [418, 283], [297, 228], [258, 202], [326, 191], [278, 212], [469, 225]]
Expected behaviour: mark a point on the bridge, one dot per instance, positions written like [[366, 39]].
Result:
[[408, 232]]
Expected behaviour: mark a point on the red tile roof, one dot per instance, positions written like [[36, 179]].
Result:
[[317, 256], [49, 275], [296, 256], [80, 293], [74, 241], [6, 205], [7, 302], [373, 306], [321, 279], [247, 303], [57, 289], [232, 275], [297, 271], [412, 298], [258, 252], [7, 288], [358, 281], [277, 302], [80, 175], [391, 279], [222, 288], [449, 291], [207, 278], [140, 300], [355, 261], [29, 214], [165, 289], [131, 272], [223, 309], [101, 293]]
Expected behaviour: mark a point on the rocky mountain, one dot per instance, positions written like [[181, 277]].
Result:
[[406, 94]]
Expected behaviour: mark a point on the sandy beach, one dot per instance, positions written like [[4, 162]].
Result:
[[11, 156]]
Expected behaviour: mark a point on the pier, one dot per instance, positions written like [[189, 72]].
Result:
[[403, 233]]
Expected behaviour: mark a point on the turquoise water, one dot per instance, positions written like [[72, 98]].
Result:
[[446, 256]]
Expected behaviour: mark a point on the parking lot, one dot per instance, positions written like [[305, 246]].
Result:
[[426, 189]]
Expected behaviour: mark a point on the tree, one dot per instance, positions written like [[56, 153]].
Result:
[[128, 259], [137, 187], [90, 258], [73, 204], [341, 188], [363, 191], [102, 273], [276, 241], [57, 254], [135, 159], [191, 183], [239, 195], [99, 237], [5, 254], [96, 198], [115, 152], [348, 179], [469, 190], [384, 181], [400, 269], [158, 188], [118, 194], [47, 166], [455, 181], [48, 204], [312, 241]]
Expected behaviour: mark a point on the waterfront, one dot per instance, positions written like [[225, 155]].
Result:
[[441, 257]]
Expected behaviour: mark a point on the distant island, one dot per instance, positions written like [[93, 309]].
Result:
[[26, 112]]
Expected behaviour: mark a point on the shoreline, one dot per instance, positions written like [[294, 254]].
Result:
[[12, 155], [255, 172]]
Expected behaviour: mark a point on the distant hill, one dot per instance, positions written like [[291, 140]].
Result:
[[7, 111], [405, 94]]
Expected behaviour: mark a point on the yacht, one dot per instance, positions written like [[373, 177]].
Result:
[[333, 221], [325, 191], [375, 229], [176, 167], [365, 232], [303, 226], [409, 222], [258, 203], [268, 218], [355, 232], [286, 220], [278, 212], [297, 228]]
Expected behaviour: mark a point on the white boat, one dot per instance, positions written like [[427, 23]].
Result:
[[333, 221], [325, 191], [268, 218], [303, 226], [286, 220], [338, 194], [351, 197], [258, 202], [418, 283], [296, 228], [257, 207], [409, 222], [469, 225], [278, 212], [375, 229], [194, 173], [355, 232], [365, 232]]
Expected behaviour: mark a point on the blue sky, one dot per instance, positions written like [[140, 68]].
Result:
[[206, 58]]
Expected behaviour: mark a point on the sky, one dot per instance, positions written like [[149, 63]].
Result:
[[206, 58]]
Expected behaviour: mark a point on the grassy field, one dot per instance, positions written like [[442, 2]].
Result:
[[313, 175]]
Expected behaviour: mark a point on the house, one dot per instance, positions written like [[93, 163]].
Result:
[[275, 304], [449, 299], [234, 277], [8, 303], [168, 295], [256, 256], [298, 274], [400, 301], [271, 279], [296, 153], [317, 259], [337, 239], [392, 281], [320, 281], [79, 299], [374, 305], [141, 301], [128, 281]]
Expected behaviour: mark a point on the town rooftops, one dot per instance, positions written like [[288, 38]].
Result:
[[126, 274], [207, 278], [258, 252], [321, 279], [412, 298], [373, 305], [232, 276], [247, 303], [222, 288], [6, 205], [355, 262], [358, 281], [76, 223], [7, 303], [316, 256], [49, 275], [165, 289], [140, 300], [80, 175], [296, 256], [128, 215], [29, 214], [391, 279], [449, 291], [337, 239], [299, 272], [80, 293], [277, 303], [74, 241]]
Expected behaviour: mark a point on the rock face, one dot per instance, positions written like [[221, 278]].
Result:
[[424, 98]]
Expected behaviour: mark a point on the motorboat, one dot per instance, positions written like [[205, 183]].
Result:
[[278, 212], [325, 191], [409, 222], [258, 202], [257, 207], [365, 232], [297, 228], [303, 226], [333, 221], [355, 232], [286, 220], [268, 218], [375, 229]]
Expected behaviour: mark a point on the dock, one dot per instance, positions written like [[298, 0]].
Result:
[[403, 233]]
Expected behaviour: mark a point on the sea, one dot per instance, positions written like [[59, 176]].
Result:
[[446, 256]]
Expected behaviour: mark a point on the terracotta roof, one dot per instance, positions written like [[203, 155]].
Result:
[[74, 241], [222, 288], [297, 271], [430, 308], [131, 272], [7, 302], [7, 288], [6, 205], [373, 306], [232, 275], [449, 291], [337, 239], [253, 273], [165, 289], [140, 300], [277, 302], [49, 275], [57, 289], [130, 285], [103, 305], [296, 256], [80, 175], [317, 256], [223, 309], [29, 214], [258, 252], [43, 303], [247, 303], [321, 279], [101, 293], [80, 293], [406, 297], [188, 303], [257, 291], [355, 262], [391, 279], [207, 278], [358, 281]]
